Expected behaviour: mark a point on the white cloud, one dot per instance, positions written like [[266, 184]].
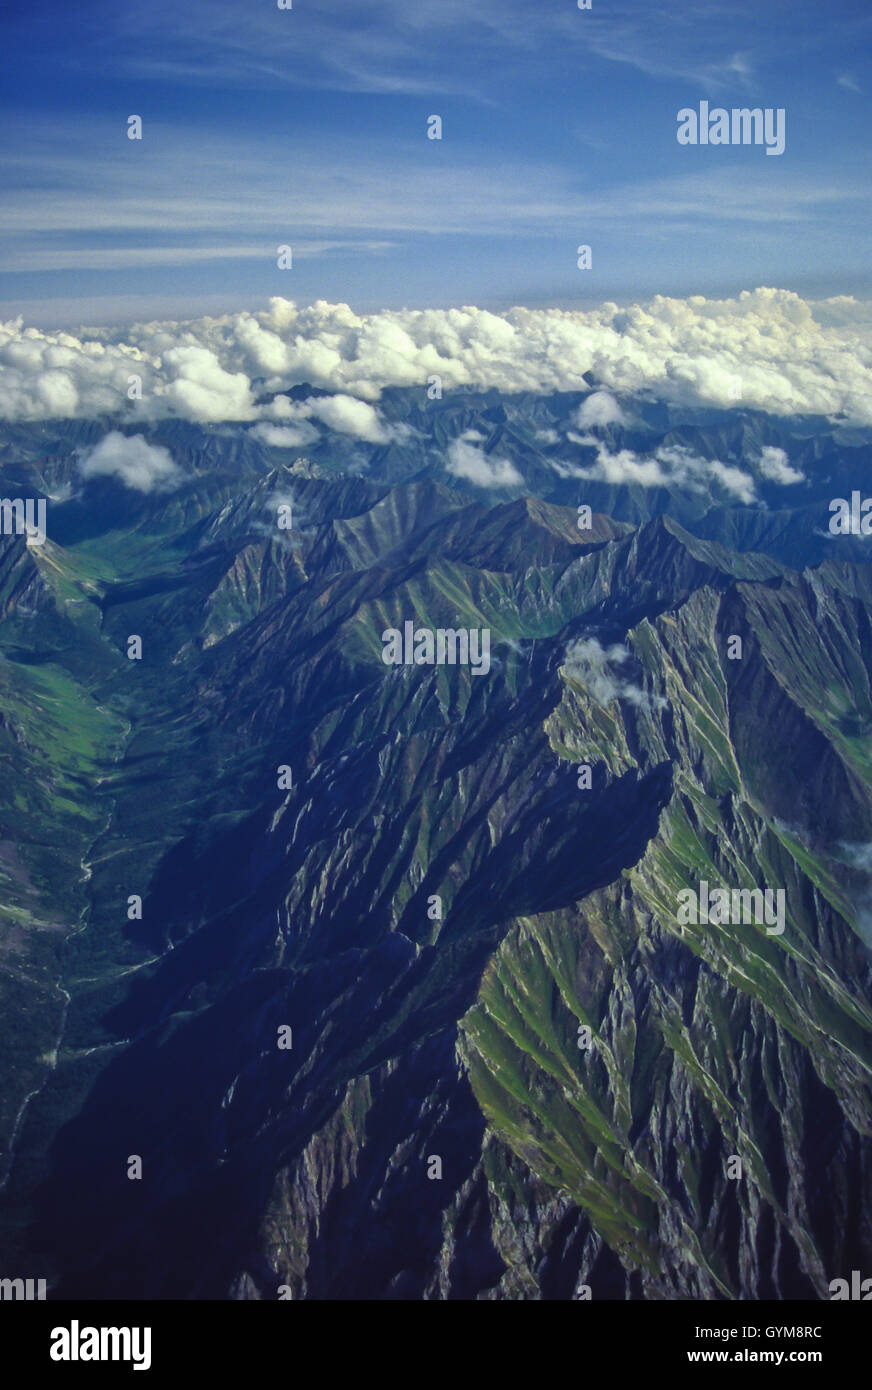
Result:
[[733, 480], [773, 464], [625, 467], [671, 465], [202, 389], [285, 436], [467, 460], [793, 357], [599, 409], [858, 855], [138, 464], [347, 415], [568, 470], [590, 663]]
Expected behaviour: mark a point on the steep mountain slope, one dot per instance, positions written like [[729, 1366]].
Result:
[[437, 905]]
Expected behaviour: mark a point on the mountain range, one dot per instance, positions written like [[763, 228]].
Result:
[[388, 999]]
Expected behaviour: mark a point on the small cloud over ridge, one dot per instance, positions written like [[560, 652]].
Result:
[[592, 665], [133, 461], [466, 459]]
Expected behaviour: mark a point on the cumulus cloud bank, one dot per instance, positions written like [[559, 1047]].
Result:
[[590, 664], [138, 464], [790, 356]]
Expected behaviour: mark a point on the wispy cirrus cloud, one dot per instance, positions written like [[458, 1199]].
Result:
[[120, 258], [307, 126], [432, 46], [83, 199]]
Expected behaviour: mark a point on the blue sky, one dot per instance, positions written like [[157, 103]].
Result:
[[308, 127]]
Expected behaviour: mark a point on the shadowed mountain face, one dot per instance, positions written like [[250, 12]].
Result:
[[516, 1067]]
